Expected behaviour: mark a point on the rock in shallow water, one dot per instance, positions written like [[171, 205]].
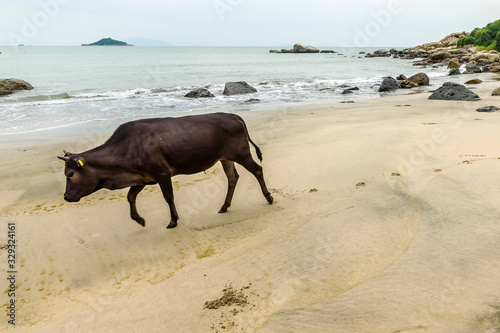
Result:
[[8, 86], [420, 78], [238, 88], [199, 93], [389, 84]]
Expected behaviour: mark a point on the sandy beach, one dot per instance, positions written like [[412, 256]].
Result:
[[386, 219]]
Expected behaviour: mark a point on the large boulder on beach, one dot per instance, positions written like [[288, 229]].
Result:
[[420, 78], [199, 93], [238, 88], [485, 57], [440, 55], [454, 71], [496, 92], [451, 91], [389, 84], [299, 48], [454, 63], [452, 39], [405, 84], [8, 86], [473, 68]]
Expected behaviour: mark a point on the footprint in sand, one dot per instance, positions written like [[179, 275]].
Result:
[[418, 329]]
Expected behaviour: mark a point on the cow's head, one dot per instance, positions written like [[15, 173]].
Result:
[[80, 179]]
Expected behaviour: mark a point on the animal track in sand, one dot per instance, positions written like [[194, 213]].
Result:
[[470, 161], [418, 329]]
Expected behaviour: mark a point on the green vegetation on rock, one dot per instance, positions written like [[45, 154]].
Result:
[[487, 38], [108, 42]]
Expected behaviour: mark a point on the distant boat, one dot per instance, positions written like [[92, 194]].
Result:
[[21, 44]]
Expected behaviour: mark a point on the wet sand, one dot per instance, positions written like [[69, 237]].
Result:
[[386, 219]]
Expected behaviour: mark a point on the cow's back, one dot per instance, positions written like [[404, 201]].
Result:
[[185, 145]]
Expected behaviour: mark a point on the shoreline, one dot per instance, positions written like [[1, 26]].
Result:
[[99, 130], [385, 220]]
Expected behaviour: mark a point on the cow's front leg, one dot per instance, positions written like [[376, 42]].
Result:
[[168, 194], [132, 195]]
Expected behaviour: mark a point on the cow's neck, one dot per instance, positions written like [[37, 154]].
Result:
[[115, 171]]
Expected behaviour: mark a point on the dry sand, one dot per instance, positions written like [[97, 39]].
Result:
[[386, 219]]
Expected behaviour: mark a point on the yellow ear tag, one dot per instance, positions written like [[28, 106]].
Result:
[[79, 163]]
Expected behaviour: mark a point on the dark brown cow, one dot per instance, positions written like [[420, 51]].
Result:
[[152, 151]]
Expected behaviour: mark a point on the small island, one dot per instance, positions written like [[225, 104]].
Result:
[[108, 42]]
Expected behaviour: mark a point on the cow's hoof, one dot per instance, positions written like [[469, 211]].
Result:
[[172, 224], [223, 209], [139, 220], [269, 199]]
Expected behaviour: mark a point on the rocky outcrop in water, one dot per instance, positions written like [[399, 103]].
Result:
[[299, 48], [199, 93], [389, 84], [238, 88], [420, 78], [451, 91], [8, 86]]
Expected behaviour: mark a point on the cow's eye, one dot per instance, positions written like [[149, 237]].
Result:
[[70, 174]]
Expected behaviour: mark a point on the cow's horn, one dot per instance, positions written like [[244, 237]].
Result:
[[65, 158]]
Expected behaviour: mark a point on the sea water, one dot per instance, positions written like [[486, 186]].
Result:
[[79, 90]]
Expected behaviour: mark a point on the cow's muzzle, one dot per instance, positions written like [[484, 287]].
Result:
[[68, 199]]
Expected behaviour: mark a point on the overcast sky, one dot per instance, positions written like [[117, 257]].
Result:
[[242, 22]]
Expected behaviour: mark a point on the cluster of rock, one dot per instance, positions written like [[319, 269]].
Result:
[[8, 86], [299, 48], [231, 88], [389, 83], [446, 53]]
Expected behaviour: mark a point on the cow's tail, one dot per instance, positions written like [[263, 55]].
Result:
[[257, 149]]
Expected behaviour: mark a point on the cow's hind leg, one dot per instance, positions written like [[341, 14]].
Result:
[[256, 170], [232, 179], [132, 195], [168, 194]]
